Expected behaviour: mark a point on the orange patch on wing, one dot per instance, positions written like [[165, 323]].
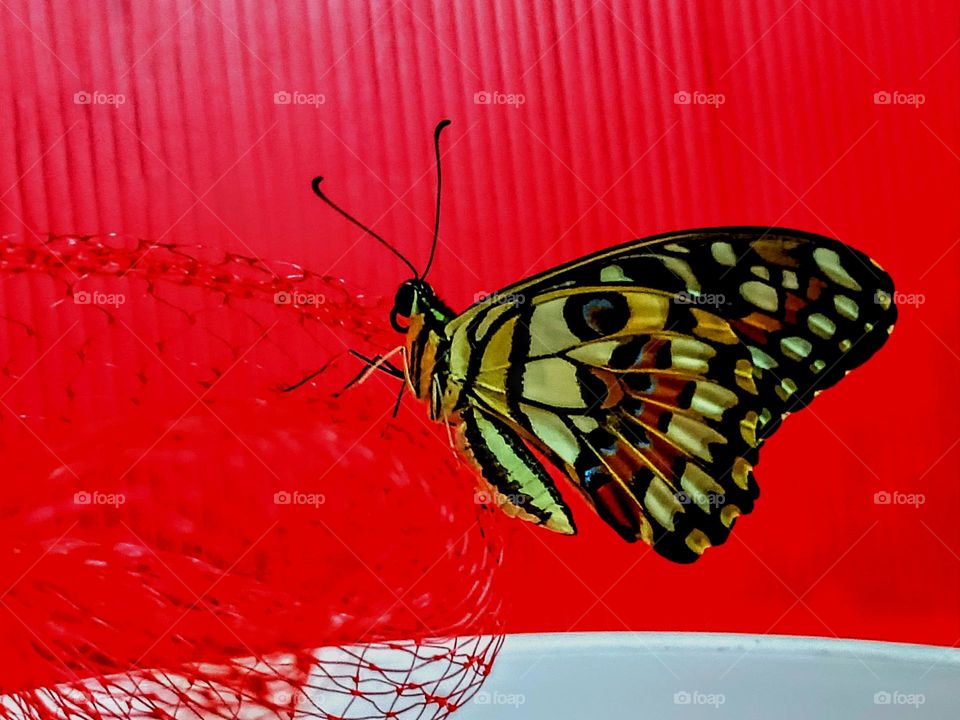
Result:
[[791, 306], [622, 509], [757, 326], [814, 288]]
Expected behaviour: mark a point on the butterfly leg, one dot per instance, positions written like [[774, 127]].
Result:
[[519, 484], [311, 376], [381, 362], [437, 393]]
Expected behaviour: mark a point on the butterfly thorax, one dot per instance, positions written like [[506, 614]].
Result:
[[428, 371]]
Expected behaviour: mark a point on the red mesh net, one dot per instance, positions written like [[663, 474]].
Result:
[[180, 538]]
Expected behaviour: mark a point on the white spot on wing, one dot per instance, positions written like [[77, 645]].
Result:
[[829, 261]]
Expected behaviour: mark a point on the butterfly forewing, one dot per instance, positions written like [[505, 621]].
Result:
[[652, 373]]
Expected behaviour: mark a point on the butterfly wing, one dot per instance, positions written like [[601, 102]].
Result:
[[653, 373], [516, 481]]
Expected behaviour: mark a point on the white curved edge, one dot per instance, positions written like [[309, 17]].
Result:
[[794, 645]]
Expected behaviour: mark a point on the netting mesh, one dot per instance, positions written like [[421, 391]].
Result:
[[178, 538]]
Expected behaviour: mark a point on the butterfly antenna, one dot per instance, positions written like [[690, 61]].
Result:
[[436, 222], [316, 188]]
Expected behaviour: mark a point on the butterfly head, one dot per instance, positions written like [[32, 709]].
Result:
[[405, 303], [416, 298]]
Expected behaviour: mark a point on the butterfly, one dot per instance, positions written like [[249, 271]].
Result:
[[649, 374]]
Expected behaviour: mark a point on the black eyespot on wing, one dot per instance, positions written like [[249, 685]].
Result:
[[640, 382], [636, 436], [663, 360], [663, 421], [685, 396], [596, 315], [604, 442], [628, 354]]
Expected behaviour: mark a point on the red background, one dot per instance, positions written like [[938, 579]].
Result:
[[597, 154]]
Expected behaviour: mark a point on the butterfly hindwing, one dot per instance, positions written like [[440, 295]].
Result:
[[653, 373], [517, 482], [648, 489]]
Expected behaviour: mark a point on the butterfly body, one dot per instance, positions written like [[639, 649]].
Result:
[[428, 371], [649, 374]]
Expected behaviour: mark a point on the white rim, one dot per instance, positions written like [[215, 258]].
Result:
[[721, 642]]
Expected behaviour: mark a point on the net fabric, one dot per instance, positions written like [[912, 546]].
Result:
[[179, 537]]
